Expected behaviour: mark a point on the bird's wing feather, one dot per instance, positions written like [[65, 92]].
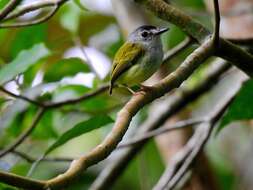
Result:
[[127, 55]]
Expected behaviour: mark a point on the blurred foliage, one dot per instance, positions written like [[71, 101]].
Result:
[[39, 62], [241, 107], [79, 129]]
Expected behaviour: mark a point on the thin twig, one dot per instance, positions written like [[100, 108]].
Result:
[[77, 100], [33, 22], [21, 97], [176, 102], [162, 130], [188, 154], [31, 159], [216, 35], [32, 7], [52, 105], [12, 4], [78, 43], [24, 135]]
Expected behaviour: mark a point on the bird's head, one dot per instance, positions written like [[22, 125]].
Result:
[[146, 34]]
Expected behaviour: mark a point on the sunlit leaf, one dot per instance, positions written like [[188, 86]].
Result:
[[80, 5], [79, 129], [241, 108], [68, 92], [23, 61], [71, 17]]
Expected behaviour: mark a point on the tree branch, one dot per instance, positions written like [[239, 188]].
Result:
[[31, 159], [123, 120], [53, 105], [22, 97], [216, 35], [32, 7], [162, 130], [33, 22], [12, 4], [176, 102], [198, 32], [232, 53], [183, 160]]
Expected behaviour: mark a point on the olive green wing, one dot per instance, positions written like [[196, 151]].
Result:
[[127, 56]]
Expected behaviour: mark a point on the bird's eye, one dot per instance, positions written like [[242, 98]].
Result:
[[144, 34]]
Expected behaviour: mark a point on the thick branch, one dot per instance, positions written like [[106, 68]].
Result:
[[176, 102], [234, 54], [129, 110]]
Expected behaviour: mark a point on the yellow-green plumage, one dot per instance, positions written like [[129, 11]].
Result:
[[125, 58], [139, 57]]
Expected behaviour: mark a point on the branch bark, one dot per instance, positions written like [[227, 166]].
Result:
[[176, 102], [123, 120], [232, 53]]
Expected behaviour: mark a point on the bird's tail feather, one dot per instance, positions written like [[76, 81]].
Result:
[[110, 89]]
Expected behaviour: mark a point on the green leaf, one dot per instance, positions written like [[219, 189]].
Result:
[[80, 5], [173, 37], [19, 106], [71, 18], [65, 67], [63, 93], [36, 34], [45, 128], [241, 108], [22, 62], [79, 129], [3, 3]]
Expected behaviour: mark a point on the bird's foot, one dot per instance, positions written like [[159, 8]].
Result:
[[128, 88], [146, 88]]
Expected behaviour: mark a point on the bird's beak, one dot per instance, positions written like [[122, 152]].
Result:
[[161, 30]]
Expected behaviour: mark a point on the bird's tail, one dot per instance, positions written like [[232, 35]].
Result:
[[110, 88]]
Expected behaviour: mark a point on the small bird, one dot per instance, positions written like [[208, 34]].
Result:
[[138, 58]]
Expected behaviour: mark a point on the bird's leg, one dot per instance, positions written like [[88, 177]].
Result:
[[128, 88], [146, 88]]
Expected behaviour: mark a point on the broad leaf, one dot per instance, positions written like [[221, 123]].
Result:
[[241, 108], [45, 128], [65, 67], [80, 5], [79, 129], [22, 62], [18, 106], [36, 34], [3, 3]]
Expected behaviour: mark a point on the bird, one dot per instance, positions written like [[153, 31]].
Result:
[[138, 58]]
